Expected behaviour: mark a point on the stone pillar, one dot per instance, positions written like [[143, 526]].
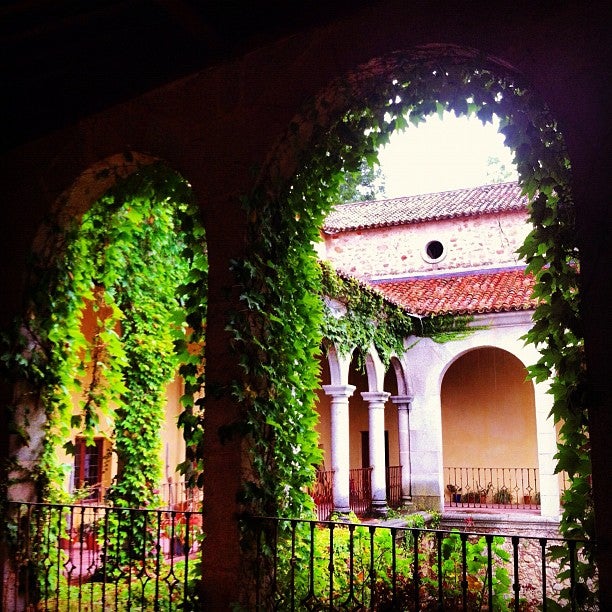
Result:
[[340, 443], [403, 403], [549, 488], [376, 411]]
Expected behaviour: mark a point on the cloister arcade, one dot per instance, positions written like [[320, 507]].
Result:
[[422, 415]]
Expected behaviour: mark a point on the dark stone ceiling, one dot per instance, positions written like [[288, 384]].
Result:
[[64, 59]]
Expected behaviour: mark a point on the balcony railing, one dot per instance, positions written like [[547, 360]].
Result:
[[360, 491], [81, 557], [485, 487], [314, 565], [394, 486], [323, 494], [174, 496]]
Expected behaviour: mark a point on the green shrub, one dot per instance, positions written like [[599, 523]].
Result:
[[361, 559]]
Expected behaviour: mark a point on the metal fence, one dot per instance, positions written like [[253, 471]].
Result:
[[321, 565], [488, 487], [323, 494], [173, 495], [78, 557], [394, 486], [73, 557], [360, 491], [360, 499]]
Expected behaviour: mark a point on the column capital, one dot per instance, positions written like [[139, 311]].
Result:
[[339, 390], [375, 396], [402, 401]]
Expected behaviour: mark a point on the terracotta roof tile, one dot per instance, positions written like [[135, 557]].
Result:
[[473, 201], [466, 293]]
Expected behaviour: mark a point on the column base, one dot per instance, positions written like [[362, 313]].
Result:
[[380, 509], [341, 514]]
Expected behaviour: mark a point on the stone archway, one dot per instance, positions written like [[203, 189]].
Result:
[[318, 145]]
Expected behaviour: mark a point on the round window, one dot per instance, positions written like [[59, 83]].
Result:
[[434, 251]]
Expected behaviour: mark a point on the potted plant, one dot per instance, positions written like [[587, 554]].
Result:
[[483, 492], [471, 497], [455, 493], [527, 499], [90, 535], [502, 496]]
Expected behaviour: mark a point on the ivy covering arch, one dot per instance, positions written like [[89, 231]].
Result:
[[137, 260], [279, 332]]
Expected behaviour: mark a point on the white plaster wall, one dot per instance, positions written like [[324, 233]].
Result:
[[427, 362]]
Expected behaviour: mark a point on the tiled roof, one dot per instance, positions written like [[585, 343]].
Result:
[[426, 207], [465, 293]]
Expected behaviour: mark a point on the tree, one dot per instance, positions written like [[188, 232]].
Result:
[[498, 171], [367, 183]]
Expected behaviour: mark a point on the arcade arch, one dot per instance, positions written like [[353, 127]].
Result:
[[110, 296], [488, 411], [346, 123], [489, 433], [360, 425]]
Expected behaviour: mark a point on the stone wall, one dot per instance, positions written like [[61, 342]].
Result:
[[529, 550], [487, 240]]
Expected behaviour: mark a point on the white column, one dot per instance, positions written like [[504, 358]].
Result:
[[403, 403], [340, 431], [376, 412], [547, 447]]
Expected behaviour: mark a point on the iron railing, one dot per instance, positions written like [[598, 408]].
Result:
[[394, 486], [174, 496], [74, 557], [179, 496], [79, 557], [360, 491], [515, 487], [322, 565], [323, 494]]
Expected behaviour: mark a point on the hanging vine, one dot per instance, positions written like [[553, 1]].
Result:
[[278, 333], [369, 319]]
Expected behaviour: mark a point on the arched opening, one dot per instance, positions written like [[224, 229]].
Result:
[[114, 333], [489, 432], [322, 490], [360, 459], [346, 124], [398, 468], [118, 312]]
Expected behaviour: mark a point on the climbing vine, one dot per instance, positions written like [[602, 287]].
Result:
[[136, 262], [368, 318], [278, 333]]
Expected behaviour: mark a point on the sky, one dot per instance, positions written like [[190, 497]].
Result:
[[440, 155]]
